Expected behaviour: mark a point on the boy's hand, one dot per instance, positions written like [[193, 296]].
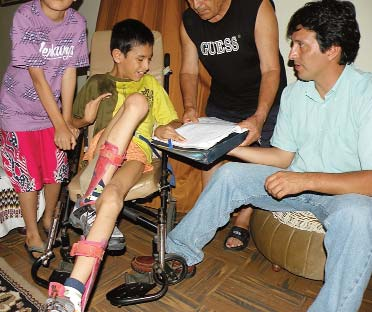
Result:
[[168, 132], [64, 138], [74, 131], [91, 109]]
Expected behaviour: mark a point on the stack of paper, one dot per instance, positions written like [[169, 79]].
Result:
[[205, 133]]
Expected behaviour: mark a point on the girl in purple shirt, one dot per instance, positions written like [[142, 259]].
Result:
[[48, 44]]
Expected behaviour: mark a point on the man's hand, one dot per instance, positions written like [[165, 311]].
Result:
[[91, 108], [285, 183], [168, 132], [254, 125], [190, 115]]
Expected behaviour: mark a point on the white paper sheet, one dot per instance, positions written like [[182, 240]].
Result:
[[205, 133]]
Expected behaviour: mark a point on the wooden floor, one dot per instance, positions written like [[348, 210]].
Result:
[[225, 281]]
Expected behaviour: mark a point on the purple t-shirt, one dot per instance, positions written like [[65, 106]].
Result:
[[37, 41]]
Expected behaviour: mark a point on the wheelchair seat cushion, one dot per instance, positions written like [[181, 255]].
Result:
[[147, 185]]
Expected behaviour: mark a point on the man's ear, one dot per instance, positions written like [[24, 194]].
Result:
[[334, 52], [117, 55]]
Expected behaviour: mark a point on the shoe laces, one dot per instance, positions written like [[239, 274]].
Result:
[[86, 213], [89, 216]]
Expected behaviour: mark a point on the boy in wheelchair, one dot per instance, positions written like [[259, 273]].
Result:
[[125, 104]]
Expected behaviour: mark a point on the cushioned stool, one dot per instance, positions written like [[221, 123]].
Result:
[[290, 240]]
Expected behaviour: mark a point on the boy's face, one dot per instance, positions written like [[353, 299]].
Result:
[[136, 63]]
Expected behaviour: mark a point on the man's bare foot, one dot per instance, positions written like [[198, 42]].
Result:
[[238, 237]]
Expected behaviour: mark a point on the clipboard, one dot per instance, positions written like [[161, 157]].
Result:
[[207, 156]]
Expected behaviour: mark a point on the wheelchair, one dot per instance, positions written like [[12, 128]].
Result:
[[137, 288]]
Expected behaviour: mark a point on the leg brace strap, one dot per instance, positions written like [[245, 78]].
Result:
[[88, 249], [56, 290], [108, 154]]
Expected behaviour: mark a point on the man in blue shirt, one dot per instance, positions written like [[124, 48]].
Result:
[[321, 159]]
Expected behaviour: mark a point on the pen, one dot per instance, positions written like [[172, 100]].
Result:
[[170, 144]]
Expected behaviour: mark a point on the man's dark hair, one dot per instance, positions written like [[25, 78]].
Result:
[[130, 33], [334, 23]]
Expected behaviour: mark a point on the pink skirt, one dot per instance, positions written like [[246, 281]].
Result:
[[31, 159]]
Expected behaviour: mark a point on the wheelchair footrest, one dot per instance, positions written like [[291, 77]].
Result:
[[61, 273], [146, 278], [136, 286]]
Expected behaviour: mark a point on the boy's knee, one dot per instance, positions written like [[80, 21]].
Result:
[[137, 102], [113, 195]]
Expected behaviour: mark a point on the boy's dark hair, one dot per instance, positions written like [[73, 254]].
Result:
[[334, 23], [128, 34]]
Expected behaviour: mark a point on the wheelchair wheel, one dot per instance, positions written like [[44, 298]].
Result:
[[175, 268], [171, 214]]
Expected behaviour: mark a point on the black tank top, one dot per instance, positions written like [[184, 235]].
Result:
[[228, 51]]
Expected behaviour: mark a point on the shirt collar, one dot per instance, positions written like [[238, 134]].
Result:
[[313, 93]]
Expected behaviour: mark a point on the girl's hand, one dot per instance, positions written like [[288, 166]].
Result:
[[91, 109], [64, 138]]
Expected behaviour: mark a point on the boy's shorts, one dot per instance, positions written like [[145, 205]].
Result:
[[133, 152], [31, 159]]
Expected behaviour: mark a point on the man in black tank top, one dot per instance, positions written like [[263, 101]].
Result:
[[237, 42]]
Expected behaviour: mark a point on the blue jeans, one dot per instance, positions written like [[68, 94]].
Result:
[[346, 218]]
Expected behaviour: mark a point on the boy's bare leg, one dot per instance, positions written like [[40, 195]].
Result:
[[118, 180], [111, 150], [120, 131], [108, 208]]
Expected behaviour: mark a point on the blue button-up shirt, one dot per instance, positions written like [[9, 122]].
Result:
[[333, 134]]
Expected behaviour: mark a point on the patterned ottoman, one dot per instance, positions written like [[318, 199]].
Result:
[[290, 240]]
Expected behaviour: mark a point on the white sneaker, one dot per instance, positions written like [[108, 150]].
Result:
[[58, 304], [82, 217]]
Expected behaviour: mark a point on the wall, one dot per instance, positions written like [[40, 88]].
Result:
[[88, 8], [285, 9], [6, 16]]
